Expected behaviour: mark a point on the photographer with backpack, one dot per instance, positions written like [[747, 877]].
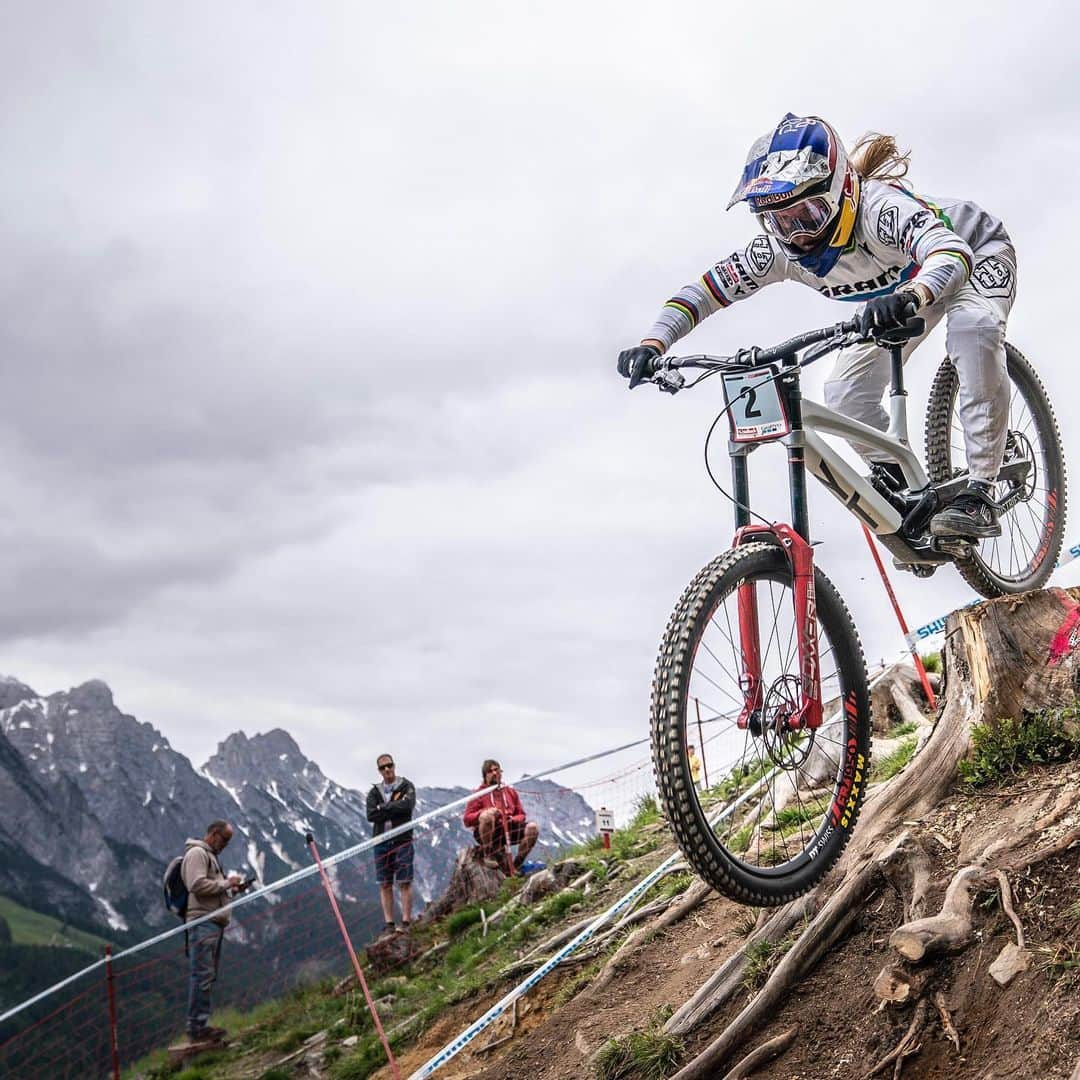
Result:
[[208, 889]]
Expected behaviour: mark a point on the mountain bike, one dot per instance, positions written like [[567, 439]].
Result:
[[761, 662]]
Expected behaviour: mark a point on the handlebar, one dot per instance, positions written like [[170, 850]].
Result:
[[833, 336]]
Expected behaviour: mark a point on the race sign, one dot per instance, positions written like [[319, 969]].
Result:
[[754, 405], [605, 824]]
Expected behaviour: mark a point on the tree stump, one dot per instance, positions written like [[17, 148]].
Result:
[[471, 883], [391, 952]]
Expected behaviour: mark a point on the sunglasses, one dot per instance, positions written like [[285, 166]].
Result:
[[386, 765]]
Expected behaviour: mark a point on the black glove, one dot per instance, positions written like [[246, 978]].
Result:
[[636, 364], [888, 312]]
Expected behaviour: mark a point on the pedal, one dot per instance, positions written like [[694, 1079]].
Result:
[[957, 548]]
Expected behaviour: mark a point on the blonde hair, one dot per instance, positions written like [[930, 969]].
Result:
[[877, 157]]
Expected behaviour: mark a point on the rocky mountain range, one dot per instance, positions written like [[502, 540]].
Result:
[[93, 804]]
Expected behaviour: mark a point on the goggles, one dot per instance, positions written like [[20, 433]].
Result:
[[800, 225]]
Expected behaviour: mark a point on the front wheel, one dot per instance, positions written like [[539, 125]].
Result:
[[776, 806], [1032, 523]]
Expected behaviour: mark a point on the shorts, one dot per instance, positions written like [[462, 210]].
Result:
[[516, 831], [394, 862]]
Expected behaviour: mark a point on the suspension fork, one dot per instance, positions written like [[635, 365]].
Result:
[[749, 631], [794, 540]]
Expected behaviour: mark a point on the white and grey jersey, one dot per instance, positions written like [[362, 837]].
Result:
[[898, 237]]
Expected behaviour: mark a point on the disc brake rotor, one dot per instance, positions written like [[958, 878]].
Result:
[[786, 747]]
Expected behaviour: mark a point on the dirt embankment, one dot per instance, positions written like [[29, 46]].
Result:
[[1031, 1027]]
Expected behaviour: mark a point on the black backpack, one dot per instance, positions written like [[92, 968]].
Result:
[[176, 892]]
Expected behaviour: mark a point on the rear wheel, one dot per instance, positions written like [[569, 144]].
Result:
[[779, 805], [1025, 554]]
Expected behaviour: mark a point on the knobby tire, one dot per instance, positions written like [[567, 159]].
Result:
[[724, 858], [1031, 558]]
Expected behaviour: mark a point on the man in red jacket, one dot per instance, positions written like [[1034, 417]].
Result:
[[497, 820]]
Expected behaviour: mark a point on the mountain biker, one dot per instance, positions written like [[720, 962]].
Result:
[[846, 226]]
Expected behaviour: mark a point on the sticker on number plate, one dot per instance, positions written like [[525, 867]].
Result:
[[755, 408]]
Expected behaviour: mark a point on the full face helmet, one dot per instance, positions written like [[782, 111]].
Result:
[[804, 191]]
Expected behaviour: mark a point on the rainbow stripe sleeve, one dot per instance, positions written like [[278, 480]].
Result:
[[738, 276]]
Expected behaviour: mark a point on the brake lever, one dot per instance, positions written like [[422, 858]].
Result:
[[669, 380]]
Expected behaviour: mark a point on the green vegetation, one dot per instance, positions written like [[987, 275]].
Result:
[[675, 884], [887, 767], [641, 1055], [908, 727], [646, 812], [1008, 747], [761, 958], [460, 921], [791, 819], [740, 779], [932, 661], [32, 928], [461, 958], [1060, 962]]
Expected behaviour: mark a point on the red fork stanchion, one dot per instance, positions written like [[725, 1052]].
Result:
[[919, 666], [352, 956], [114, 1043]]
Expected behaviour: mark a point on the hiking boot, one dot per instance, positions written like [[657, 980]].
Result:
[[207, 1034], [490, 862], [971, 514], [388, 928]]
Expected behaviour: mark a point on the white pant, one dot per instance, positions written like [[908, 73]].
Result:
[[975, 341]]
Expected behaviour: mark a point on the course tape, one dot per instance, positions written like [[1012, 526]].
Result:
[[937, 626]]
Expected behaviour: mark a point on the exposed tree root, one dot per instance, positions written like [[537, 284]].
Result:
[[694, 896], [716, 992], [950, 929], [908, 869], [909, 1044], [897, 986], [895, 697], [830, 923], [946, 1020], [765, 1053], [538, 955]]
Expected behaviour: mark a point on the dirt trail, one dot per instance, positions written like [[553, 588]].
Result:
[[1031, 1028]]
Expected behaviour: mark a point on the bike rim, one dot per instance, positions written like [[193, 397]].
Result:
[[794, 776]]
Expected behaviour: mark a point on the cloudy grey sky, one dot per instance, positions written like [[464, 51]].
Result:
[[308, 319]]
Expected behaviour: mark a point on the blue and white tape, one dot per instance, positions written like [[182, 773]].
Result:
[[937, 626]]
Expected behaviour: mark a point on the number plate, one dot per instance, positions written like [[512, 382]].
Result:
[[755, 408]]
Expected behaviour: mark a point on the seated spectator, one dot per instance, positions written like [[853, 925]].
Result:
[[498, 822]]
